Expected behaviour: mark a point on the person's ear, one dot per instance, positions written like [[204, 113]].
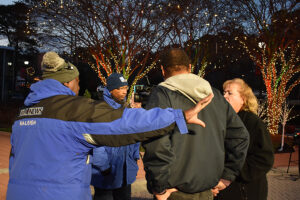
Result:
[[190, 68], [66, 84]]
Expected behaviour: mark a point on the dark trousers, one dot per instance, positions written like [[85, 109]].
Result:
[[123, 193]]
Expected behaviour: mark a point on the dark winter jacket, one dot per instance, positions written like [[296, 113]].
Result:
[[196, 161], [120, 161], [252, 183], [54, 134]]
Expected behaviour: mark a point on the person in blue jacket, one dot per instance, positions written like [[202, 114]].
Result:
[[56, 130], [114, 169]]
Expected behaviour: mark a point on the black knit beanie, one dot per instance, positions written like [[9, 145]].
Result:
[[115, 81]]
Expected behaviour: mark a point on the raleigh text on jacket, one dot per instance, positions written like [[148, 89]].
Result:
[[27, 122], [31, 111]]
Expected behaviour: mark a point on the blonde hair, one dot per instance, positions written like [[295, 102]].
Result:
[[246, 93]]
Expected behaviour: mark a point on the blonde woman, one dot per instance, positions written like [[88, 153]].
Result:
[[252, 183]]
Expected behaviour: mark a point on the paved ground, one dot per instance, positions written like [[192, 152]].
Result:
[[4, 154], [282, 185]]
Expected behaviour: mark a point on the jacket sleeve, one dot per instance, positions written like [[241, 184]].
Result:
[[260, 157], [159, 155], [135, 125], [95, 123], [100, 159], [11, 157], [236, 144], [136, 151]]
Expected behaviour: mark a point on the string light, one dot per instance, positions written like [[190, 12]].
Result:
[[267, 60], [131, 59]]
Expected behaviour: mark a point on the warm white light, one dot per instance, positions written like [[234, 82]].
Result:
[[261, 45], [26, 62]]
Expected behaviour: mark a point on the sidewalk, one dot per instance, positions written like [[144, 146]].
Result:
[[282, 186], [4, 155]]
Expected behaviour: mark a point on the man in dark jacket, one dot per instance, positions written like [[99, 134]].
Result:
[[54, 133], [114, 169], [205, 158]]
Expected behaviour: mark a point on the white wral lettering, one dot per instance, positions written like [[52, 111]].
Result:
[[31, 111], [27, 122]]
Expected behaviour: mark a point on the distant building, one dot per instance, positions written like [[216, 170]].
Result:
[[6, 72]]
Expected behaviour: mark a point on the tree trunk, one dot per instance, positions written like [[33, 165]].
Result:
[[282, 138]]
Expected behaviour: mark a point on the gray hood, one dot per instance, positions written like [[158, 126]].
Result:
[[190, 85]]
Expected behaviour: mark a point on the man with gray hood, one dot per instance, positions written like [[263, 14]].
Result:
[[206, 158]]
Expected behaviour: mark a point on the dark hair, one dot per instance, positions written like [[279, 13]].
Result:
[[174, 59]]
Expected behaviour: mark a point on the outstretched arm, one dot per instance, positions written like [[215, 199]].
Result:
[[135, 125]]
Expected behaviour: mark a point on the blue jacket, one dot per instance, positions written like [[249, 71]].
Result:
[[114, 158], [53, 135]]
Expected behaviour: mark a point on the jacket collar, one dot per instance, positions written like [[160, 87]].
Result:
[[108, 98], [45, 89]]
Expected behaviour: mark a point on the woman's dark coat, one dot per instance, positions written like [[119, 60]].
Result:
[[252, 183]]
